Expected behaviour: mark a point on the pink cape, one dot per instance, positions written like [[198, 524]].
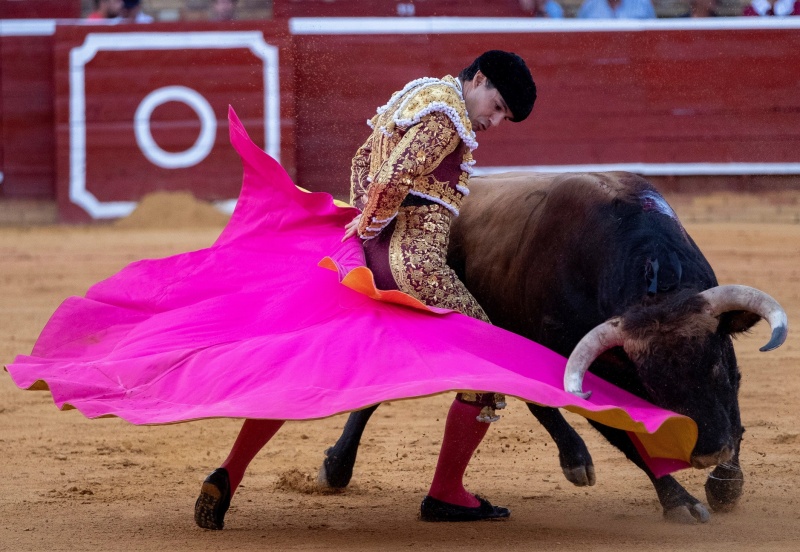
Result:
[[253, 327]]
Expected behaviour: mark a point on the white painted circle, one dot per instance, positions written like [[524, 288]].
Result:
[[144, 138]]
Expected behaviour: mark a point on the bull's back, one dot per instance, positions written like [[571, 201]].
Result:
[[508, 215], [521, 237]]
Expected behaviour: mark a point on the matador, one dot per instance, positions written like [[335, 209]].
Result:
[[409, 179]]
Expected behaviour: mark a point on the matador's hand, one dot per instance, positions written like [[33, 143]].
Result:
[[351, 229]]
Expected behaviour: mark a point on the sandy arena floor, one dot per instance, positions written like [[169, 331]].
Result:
[[73, 484]]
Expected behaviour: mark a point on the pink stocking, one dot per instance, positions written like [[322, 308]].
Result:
[[462, 435], [251, 439]]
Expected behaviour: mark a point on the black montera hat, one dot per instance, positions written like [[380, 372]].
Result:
[[512, 78]]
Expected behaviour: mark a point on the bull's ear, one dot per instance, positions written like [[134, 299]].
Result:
[[734, 322]]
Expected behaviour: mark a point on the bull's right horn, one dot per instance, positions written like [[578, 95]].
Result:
[[602, 338], [723, 299]]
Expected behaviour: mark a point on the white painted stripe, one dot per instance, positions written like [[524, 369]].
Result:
[[479, 25], [659, 169], [450, 25], [27, 27], [173, 40]]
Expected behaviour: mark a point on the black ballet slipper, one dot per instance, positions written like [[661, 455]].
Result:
[[214, 500], [436, 510]]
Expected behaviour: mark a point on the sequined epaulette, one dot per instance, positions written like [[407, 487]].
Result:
[[420, 98]]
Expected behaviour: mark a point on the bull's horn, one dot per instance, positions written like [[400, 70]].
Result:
[[602, 338], [722, 299]]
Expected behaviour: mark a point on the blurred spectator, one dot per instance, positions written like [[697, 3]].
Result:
[[702, 8], [779, 8], [132, 12], [617, 9], [223, 10], [542, 8], [106, 9], [406, 9]]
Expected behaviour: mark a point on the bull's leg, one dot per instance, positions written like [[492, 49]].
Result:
[[576, 462], [679, 506], [337, 468], [725, 483]]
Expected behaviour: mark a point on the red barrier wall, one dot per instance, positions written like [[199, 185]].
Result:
[[27, 140], [604, 97], [661, 96], [165, 76], [53, 9]]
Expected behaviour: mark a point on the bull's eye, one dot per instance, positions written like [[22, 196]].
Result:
[[651, 275]]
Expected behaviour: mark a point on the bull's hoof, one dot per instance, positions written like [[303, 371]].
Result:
[[576, 462], [687, 514], [724, 488], [580, 476], [333, 474], [322, 478]]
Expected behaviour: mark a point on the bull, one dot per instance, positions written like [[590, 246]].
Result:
[[597, 267]]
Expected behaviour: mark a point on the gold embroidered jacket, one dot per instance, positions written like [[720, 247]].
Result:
[[421, 144]]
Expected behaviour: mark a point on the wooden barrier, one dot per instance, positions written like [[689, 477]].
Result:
[[140, 108], [27, 140], [660, 98], [55, 9]]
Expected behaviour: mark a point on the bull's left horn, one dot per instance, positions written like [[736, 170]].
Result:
[[602, 338], [723, 299]]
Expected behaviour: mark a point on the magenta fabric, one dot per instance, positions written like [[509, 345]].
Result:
[[252, 327]]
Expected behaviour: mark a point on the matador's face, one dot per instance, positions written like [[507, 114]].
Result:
[[485, 106]]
